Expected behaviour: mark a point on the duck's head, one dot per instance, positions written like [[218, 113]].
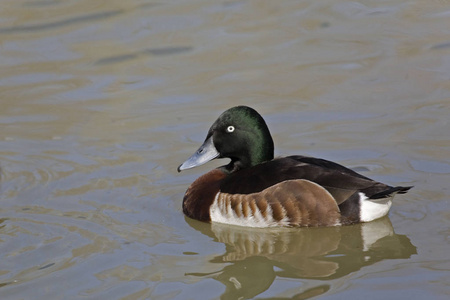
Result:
[[241, 134]]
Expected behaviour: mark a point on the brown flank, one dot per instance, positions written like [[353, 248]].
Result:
[[303, 202]]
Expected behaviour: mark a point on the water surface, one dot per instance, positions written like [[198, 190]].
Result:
[[101, 101]]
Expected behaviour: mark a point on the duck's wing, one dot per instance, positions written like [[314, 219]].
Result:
[[338, 180], [374, 189], [326, 164]]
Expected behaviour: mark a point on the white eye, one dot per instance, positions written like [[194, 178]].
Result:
[[230, 129]]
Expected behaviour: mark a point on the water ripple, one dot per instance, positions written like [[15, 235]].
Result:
[[61, 23]]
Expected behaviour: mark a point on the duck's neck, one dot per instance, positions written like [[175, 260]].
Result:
[[261, 150]]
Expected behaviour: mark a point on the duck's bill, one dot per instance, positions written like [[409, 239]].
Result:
[[205, 153]]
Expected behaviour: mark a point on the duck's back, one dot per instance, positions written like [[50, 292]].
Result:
[[339, 180]]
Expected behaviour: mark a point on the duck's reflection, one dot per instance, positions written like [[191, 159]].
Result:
[[258, 256]]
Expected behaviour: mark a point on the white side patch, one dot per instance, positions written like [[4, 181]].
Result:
[[373, 209], [221, 212]]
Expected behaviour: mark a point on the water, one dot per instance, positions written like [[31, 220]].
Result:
[[101, 101]]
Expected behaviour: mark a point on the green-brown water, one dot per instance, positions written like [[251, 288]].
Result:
[[100, 101]]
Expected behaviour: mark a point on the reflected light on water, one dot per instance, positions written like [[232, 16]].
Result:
[[258, 256]]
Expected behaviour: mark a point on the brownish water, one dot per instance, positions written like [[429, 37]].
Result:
[[100, 101]]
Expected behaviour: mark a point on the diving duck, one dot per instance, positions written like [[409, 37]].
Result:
[[257, 190]]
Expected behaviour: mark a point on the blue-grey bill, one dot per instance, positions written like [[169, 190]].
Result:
[[205, 153]]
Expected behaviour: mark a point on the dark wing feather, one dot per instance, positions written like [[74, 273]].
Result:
[[340, 181], [326, 164]]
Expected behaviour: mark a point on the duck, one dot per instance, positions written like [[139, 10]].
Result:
[[256, 189]]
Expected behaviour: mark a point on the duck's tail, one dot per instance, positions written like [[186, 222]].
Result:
[[391, 191]]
